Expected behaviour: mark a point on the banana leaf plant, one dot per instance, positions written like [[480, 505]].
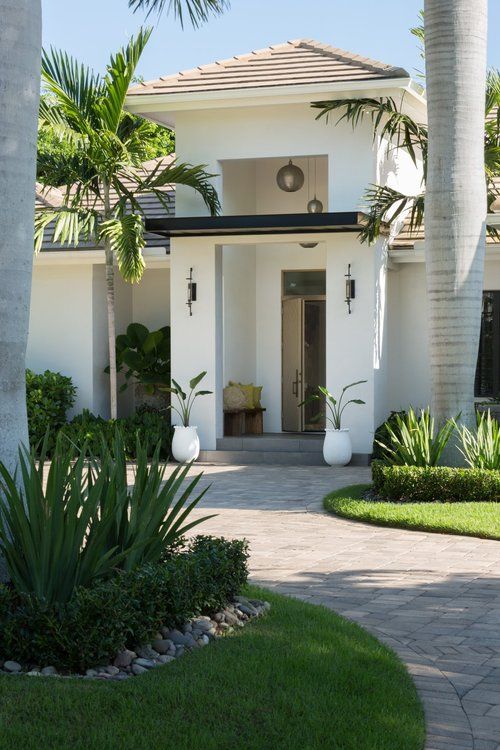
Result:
[[185, 402], [335, 407], [144, 356]]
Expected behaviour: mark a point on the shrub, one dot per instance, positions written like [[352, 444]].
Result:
[[381, 435], [49, 395], [481, 449], [144, 355], [412, 440], [150, 426], [430, 484], [126, 610], [86, 522]]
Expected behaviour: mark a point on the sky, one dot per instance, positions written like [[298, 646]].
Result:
[[91, 29]]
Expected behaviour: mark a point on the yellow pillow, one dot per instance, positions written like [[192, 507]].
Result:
[[248, 391], [252, 394]]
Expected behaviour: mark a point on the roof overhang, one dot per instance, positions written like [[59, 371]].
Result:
[[260, 224], [168, 104]]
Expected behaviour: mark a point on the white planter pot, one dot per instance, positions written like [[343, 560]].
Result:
[[186, 444], [337, 448]]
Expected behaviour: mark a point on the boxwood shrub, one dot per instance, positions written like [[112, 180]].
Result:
[[435, 484], [125, 610]]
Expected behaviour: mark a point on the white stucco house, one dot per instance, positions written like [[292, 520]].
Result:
[[271, 303]]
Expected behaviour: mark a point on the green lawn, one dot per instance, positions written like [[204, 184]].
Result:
[[468, 519], [299, 679]]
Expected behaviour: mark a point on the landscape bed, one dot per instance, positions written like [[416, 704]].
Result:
[[299, 677]]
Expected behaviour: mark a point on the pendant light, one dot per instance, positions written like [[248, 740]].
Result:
[[290, 178], [312, 209], [315, 206]]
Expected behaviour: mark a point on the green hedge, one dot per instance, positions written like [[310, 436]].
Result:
[[49, 395], [124, 611], [431, 484], [151, 426]]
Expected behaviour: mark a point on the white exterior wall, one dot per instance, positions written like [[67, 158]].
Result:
[[68, 324], [61, 327], [407, 326], [286, 131]]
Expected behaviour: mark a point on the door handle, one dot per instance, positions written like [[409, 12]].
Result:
[[296, 383]]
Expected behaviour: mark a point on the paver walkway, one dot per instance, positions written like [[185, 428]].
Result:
[[434, 598]]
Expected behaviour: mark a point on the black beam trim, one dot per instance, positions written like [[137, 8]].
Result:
[[343, 221]]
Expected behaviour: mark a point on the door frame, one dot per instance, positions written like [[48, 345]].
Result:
[[302, 298]]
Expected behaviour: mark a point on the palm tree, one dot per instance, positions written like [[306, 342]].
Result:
[[454, 262], [102, 171], [199, 11], [20, 42], [20, 53], [456, 201]]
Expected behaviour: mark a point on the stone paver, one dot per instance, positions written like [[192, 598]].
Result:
[[435, 599]]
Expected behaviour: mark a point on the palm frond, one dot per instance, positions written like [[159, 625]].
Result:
[[198, 11], [181, 174], [493, 93], [120, 72], [69, 226], [125, 235], [76, 90], [388, 121], [385, 205]]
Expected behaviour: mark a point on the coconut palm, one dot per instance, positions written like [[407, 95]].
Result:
[[460, 161], [456, 201], [102, 170]]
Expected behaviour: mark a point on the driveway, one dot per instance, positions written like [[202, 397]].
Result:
[[433, 598]]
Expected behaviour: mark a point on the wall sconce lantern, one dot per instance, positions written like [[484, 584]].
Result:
[[290, 178], [191, 292], [350, 288]]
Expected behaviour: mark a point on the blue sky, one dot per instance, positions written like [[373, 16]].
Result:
[[90, 29]]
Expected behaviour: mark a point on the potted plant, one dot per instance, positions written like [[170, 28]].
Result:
[[186, 443], [337, 447], [144, 355]]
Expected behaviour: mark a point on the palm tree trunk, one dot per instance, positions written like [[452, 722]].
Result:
[[20, 51], [110, 300], [455, 201]]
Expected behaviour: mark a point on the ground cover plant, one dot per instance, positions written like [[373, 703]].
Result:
[[479, 519], [257, 689]]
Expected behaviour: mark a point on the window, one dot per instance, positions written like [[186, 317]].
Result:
[[488, 362], [304, 283]]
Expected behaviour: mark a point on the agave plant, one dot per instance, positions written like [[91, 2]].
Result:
[[412, 440], [481, 449], [153, 514], [51, 535]]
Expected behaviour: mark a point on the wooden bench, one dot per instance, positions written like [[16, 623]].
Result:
[[239, 422]]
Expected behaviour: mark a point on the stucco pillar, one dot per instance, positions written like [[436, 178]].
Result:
[[350, 338], [197, 339]]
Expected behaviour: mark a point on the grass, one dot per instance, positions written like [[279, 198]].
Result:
[[468, 519], [299, 679]]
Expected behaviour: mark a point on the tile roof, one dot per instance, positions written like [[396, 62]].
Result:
[[293, 63], [153, 208], [405, 239]]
